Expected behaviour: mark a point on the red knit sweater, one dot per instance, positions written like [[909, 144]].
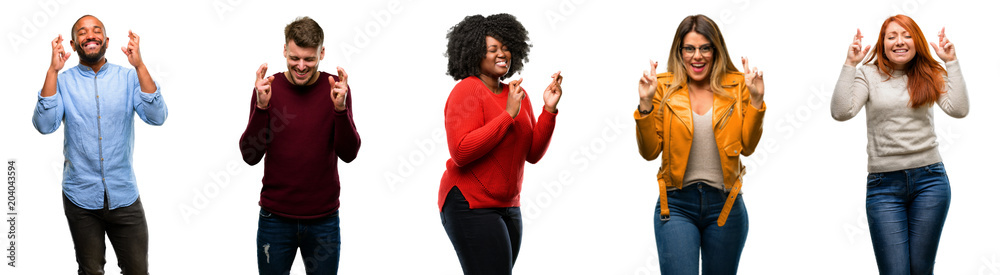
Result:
[[302, 136], [488, 148]]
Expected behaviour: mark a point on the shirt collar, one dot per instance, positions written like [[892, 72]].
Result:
[[87, 69]]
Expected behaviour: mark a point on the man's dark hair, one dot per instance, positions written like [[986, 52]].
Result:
[[467, 43], [305, 32], [72, 29]]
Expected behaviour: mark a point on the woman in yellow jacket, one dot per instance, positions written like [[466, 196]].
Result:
[[711, 115]]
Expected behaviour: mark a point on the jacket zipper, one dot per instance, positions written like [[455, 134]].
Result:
[[725, 119]]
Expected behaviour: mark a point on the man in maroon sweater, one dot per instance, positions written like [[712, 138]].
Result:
[[302, 121]]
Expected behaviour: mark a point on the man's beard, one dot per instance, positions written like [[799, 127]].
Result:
[[94, 57]]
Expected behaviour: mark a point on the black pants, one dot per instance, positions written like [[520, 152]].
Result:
[[486, 239], [125, 227]]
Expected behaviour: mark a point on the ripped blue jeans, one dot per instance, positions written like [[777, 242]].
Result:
[[279, 238]]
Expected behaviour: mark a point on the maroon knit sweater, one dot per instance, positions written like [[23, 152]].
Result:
[[302, 136], [488, 148]]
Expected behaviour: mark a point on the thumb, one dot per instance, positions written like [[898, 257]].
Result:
[[330, 79], [124, 50]]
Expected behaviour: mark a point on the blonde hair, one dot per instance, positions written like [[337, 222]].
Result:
[[721, 64]]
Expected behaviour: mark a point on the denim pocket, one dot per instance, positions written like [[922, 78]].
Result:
[[874, 180], [265, 213], [937, 168]]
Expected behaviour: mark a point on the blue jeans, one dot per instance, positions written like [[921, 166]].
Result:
[[906, 213], [692, 226], [278, 238], [486, 239]]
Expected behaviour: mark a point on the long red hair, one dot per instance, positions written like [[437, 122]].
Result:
[[925, 75]]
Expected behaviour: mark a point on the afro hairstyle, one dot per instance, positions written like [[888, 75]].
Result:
[[467, 43]]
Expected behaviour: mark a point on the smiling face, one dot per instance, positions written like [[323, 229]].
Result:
[[494, 65], [898, 44], [697, 53], [89, 39], [303, 63]]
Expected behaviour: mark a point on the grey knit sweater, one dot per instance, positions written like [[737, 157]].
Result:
[[899, 137]]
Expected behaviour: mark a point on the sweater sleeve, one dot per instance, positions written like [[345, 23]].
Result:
[[541, 135], [955, 100], [850, 94], [346, 138], [649, 128], [253, 142], [470, 133]]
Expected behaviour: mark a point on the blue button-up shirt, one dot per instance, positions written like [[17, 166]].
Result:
[[98, 110]]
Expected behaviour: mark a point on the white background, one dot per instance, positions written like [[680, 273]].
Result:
[[587, 205]]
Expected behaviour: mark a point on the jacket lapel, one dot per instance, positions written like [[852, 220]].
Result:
[[679, 104], [722, 107]]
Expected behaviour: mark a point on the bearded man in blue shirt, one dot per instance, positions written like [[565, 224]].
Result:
[[97, 101]]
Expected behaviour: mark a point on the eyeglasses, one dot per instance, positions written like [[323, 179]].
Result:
[[705, 50]]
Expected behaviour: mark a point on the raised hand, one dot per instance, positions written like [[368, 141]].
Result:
[[338, 90], [132, 50], [514, 98], [755, 83], [553, 93], [59, 55], [263, 87], [855, 53], [647, 87], [945, 50]]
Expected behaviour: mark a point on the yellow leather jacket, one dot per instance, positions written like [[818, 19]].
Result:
[[669, 129]]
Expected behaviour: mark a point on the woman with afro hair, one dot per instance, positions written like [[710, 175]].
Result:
[[491, 131]]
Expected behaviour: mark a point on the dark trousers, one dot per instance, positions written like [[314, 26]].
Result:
[[486, 239], [125, 227]]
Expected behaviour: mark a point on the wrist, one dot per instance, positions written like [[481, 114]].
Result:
[[644, 111], [645, 104], [550, 109], [757, 101]]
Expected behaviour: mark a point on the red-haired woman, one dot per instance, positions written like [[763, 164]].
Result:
[[908, 189]]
